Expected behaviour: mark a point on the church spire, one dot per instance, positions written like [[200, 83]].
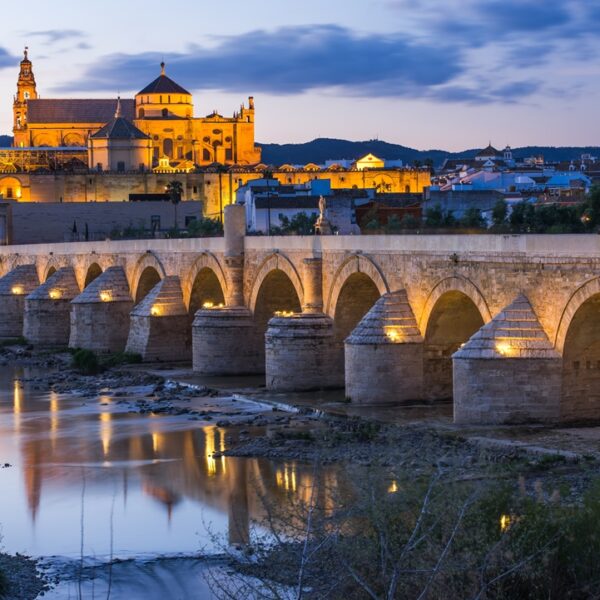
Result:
[[162, 67], [118, 110]]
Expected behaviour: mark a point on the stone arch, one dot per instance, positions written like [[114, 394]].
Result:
[[276, 292], [149, 260], [149, 277], [46, 270], [74, 139], [576, 301], [11, 188], [275, 262], [453, 313], [356, 297], [205, 261], [206, 289], [357, 263], [454, 284], [579, 341], [93, 271]]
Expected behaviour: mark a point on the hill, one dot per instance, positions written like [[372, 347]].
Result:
[[322, 149], [5, 141]]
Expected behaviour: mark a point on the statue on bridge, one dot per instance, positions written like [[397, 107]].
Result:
[[323, 226]]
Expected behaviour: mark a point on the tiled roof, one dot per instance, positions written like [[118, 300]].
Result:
[[59, 110], [121, 129], [164, 85]]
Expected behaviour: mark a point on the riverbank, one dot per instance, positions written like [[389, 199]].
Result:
[[321, 429]]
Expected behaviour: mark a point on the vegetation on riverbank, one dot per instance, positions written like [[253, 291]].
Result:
[[87, 362], [388, 534]]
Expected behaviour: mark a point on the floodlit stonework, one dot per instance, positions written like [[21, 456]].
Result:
[[387, 348], [48, 309], [452, 286], [508, 372], [160, 328], [100, 314]]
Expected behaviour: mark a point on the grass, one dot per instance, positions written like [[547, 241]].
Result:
[[87, 362], [18, 341]]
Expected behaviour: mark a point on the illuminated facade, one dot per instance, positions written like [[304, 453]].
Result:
[[163, 110]]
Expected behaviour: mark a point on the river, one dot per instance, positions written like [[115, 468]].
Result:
[[90, 480]]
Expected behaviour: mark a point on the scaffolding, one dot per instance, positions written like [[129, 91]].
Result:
[[30, 160]]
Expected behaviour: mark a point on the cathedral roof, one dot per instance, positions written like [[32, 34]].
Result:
[[76, 110], [119, 128], [163, 85]]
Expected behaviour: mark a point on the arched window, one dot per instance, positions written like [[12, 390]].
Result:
[[165, 112], [141, 113], [205, 155], [407, 189], [168, 147]]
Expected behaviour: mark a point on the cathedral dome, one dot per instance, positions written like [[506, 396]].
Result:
[[163, 85]]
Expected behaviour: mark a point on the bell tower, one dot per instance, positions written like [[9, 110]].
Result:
[[26, 90]]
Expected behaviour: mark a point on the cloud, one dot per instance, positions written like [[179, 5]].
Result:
[[7, 59], [53, 36], [294, 60]]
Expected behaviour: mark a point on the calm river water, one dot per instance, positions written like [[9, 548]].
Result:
[[88, 478]]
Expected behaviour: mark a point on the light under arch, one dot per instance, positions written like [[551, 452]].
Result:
[[275, 262], [205, 261], [149, 259]]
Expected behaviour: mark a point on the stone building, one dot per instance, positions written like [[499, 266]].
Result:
[[163, 110]]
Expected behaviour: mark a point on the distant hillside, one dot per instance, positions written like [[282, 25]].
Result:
[[5, 141], [322, 149]]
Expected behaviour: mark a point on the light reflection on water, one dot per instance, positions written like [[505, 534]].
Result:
[[91, 477]]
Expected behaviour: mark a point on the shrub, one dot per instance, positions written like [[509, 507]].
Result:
[[86, 362], [120, 358]]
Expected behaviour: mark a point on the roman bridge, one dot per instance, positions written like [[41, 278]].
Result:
[[507, 325]]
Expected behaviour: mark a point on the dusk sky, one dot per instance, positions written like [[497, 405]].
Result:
[[449, 74]]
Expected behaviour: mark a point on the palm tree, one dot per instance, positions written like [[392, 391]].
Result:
[[174, 189]]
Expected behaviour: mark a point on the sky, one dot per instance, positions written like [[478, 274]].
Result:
[[448, 74]]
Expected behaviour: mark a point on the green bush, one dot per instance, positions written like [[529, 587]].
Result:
[[3, 584], [120, 358], [86, 362]]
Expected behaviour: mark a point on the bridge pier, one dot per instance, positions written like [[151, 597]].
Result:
[[224, 340], [100, 314], [384, 354], [160, 325], [508, 372], [299, 349], [48, 310], [14, 287]]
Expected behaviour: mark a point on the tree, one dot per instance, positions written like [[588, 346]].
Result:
[[300, 224], [410, 222], [393, 225], [434, 217], [473, 219], [499, 213], [175, 190]]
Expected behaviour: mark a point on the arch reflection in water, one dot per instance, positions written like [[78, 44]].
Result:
[[158, 465]]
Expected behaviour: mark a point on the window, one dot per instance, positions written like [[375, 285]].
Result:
[[121, 166], [141, 113], [26, 95], [160, 101], [205, 154], [195, 189], [169, 100], [189, 219], [228, 154], [155, 222], [9, 192], [407, 189], [165, 112], [180, 152]]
